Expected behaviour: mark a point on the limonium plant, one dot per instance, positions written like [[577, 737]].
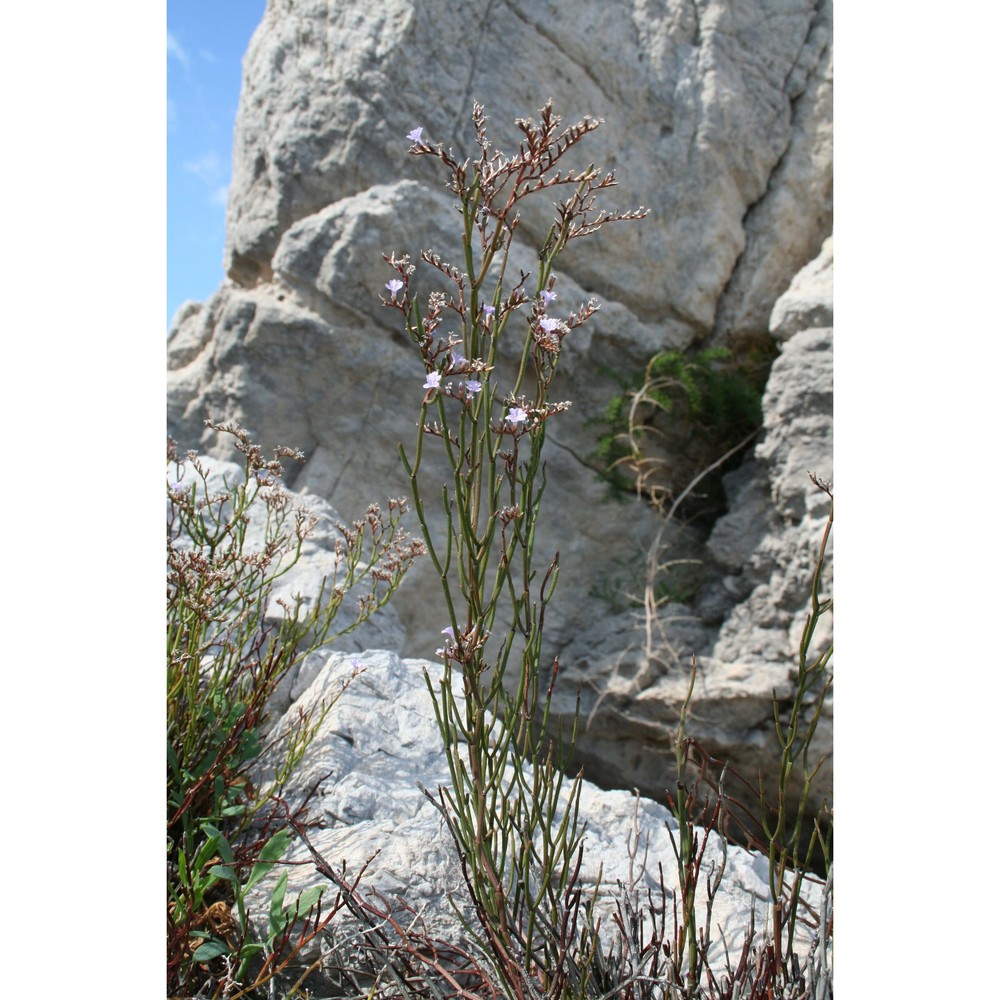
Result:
[[516, 831]]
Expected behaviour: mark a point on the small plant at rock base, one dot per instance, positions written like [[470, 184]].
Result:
[[227, 545]]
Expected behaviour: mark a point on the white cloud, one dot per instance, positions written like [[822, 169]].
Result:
[[209, 170], [207, 55], [206, 168], [174, 49]]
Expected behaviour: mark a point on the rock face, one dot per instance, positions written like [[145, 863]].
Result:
[[714, 108], [808, 303], [381, 740], [719, 119], [746, 622]]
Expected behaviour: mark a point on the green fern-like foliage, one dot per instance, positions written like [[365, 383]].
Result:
[[676, 417], [719, 396]]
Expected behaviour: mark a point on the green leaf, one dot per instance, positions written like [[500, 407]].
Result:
[[249, 745], [182, 870], [222, 845], [210, 950], [276, 846], [307, 900], [206, 851], [276, 917], [272, 851], [223, 872]]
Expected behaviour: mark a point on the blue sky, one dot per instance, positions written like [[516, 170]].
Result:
[[205, 47]]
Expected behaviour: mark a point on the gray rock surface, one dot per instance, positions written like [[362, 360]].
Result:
[[787, 226], [719, 118], [808, 303], [381, 740], [714, 108], [746, 623]]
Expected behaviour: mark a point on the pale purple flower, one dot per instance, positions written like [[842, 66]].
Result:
[[394, 286], [457, 360], [433, 380], [450, 632], [488, 310], [548, 296], [473, 386], [415, 135], [517, 415], [548, 325]]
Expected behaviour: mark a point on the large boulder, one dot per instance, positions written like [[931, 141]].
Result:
[[714, 109], [364, 776]]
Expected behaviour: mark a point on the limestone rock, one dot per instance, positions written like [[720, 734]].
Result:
[[380, 744], [704, 102], [746, 622], [798, 202], [808, 303]]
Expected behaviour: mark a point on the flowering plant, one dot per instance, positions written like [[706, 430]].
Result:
[[228, 545], [519, 846]]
